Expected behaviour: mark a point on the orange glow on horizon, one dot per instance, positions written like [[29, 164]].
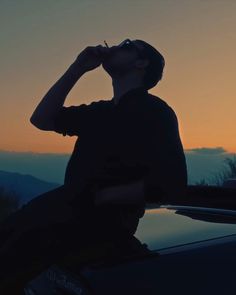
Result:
[[198, 81]]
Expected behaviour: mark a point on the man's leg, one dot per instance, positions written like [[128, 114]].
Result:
[[51, 207], [46, 208], [33, 252]]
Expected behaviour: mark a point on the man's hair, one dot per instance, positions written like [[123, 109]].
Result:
[[154, 70]]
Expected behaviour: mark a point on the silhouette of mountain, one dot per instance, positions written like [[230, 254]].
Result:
[[203, 163], [26, 187]]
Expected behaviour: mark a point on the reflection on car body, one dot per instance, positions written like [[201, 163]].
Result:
[[191, 250]]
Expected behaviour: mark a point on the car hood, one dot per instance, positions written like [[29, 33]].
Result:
[[171, 226]]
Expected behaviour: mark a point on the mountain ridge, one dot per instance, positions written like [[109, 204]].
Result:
[[25, 186]]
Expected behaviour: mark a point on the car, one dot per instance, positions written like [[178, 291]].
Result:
[[177, 249], [231, 183]]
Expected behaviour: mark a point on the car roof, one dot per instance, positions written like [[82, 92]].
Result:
[[170, 226]]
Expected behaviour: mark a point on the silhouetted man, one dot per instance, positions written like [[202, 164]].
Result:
[[133, 128], [128, 149]]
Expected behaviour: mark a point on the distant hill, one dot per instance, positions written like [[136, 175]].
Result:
[[25, 186], [202, 163]]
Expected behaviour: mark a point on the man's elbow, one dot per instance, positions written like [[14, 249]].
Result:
[[46, 125]]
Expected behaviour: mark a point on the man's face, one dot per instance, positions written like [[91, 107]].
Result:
[[122, 58]]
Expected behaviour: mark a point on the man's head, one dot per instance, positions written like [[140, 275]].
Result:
[[137, 58]]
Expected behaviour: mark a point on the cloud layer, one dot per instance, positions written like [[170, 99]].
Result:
[[206, 163], [48, 167], [207, 151]]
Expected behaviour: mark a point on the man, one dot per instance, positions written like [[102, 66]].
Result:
[[134, 124], [128, 149]]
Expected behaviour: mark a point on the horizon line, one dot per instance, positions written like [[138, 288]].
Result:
[[221, 149]]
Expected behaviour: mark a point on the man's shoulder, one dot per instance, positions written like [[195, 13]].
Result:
[[94, 107], [160, 105], [102, 103]]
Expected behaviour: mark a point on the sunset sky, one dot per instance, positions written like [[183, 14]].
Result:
[[40, 39]]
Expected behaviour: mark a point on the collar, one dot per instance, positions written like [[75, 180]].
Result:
[[134, 93]]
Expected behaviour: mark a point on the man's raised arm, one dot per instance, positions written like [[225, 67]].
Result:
[[46, 111]]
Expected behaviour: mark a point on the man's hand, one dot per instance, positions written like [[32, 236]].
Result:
[[91, 57], [132, 193]]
